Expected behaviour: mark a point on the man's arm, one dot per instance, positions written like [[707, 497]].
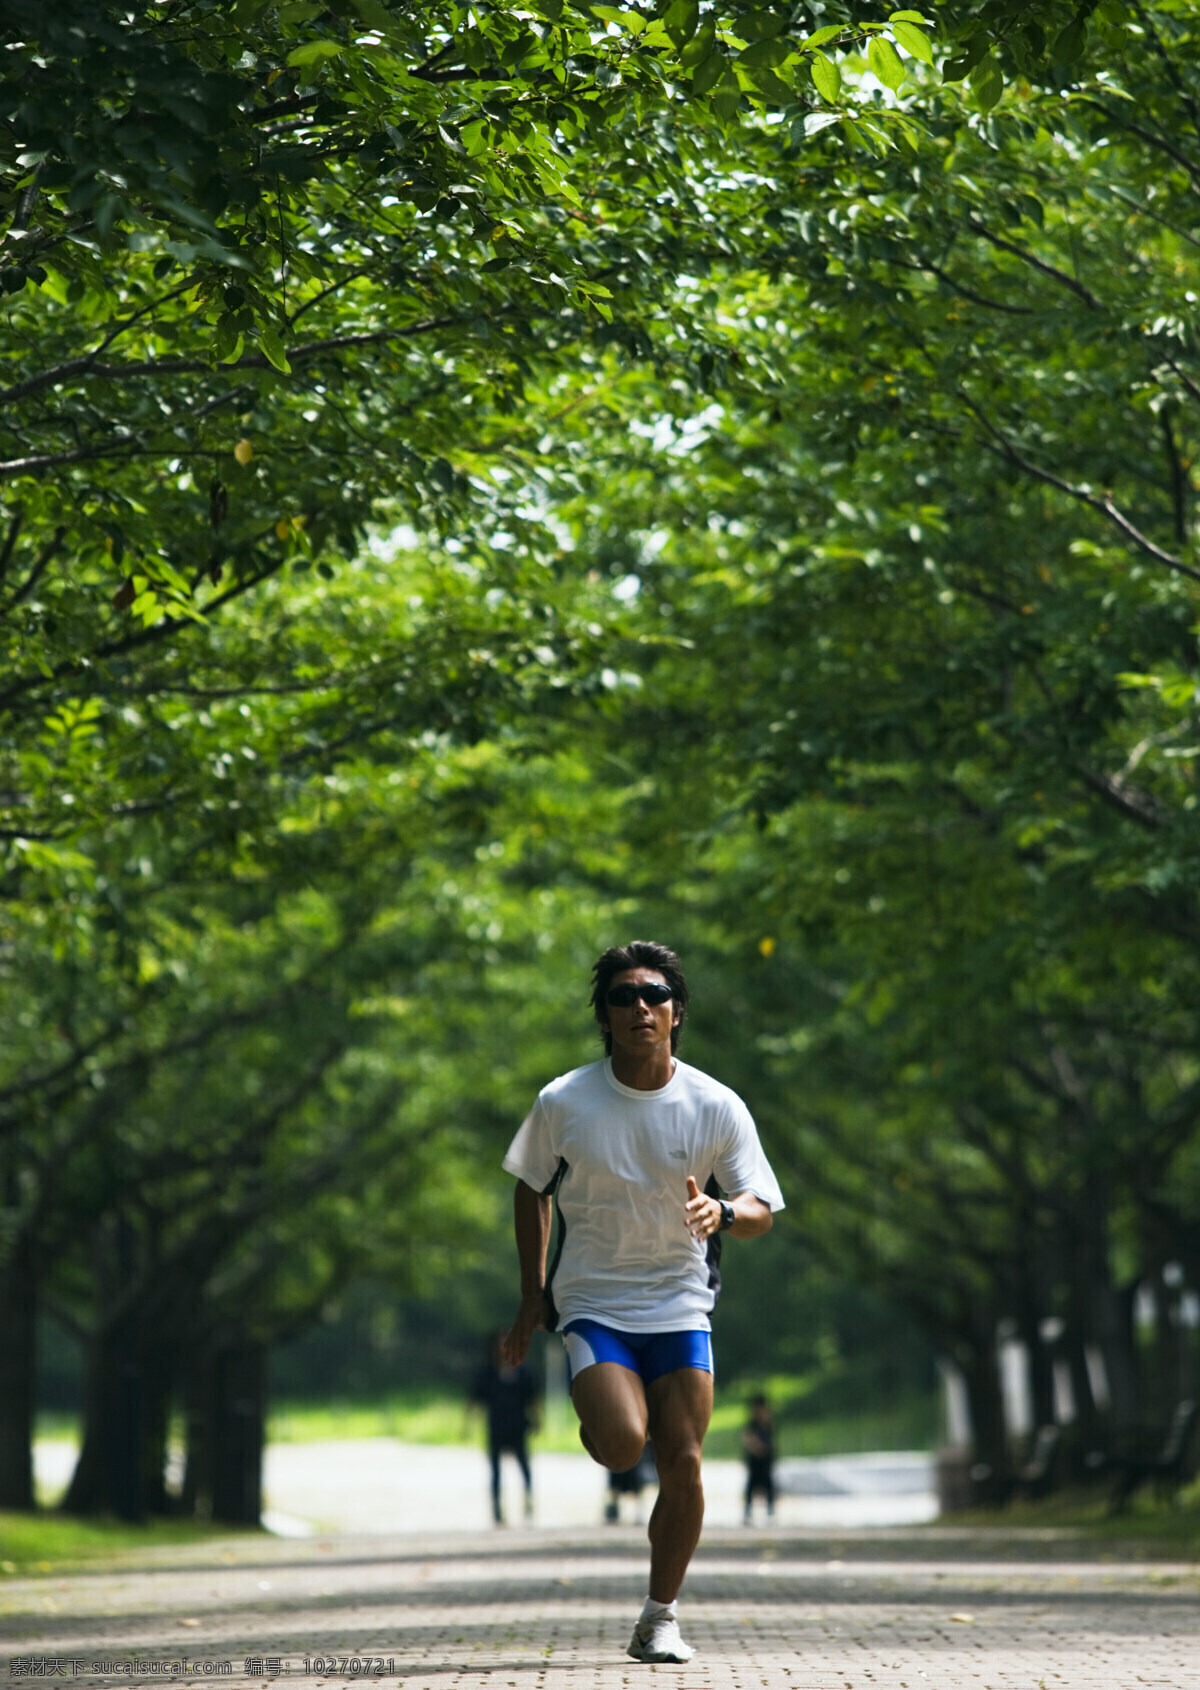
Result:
[[752, 1217], [531, 1223]]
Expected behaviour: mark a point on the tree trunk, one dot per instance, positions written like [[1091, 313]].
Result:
[[982, 1375], [1029, 1320], [18, 1354], [1113, 1327], [197, 1467], [158, 1377], [1096, 1319], [240, 1434], [109, 1474], [227, 1433]]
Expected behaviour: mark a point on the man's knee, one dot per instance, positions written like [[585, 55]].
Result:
[[679, 1468], [616, 1447]]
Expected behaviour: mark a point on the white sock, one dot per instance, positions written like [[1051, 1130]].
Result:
[[652, 1610]]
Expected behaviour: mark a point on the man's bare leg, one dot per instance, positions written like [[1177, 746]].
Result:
[[610, 1401], [680, 1408]]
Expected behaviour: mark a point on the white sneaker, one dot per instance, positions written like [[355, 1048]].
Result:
[[659, 1640]]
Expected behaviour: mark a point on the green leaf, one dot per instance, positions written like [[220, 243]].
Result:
[[912, 39], [763, 55], [955, 69], [759, 26], [375, 14], [631, 22], [709, 73], [312, 52], [591, 293], [819, 37], [701, 45], [273, 349], [987, 83], [226, 339], [885, 62], [906, 17], [879, 141], [681, 19], [773, 88], [727, 98], [1069, 44], [827, 77], [1179, 693]]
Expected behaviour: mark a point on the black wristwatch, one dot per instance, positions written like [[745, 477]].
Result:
[[727, 1215]]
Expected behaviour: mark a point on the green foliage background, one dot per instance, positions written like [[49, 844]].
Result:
[[479, 482]]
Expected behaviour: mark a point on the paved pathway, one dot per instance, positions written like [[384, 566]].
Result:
[[931, 1608]]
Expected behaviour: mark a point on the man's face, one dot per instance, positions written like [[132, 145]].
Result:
[[643, 1026]]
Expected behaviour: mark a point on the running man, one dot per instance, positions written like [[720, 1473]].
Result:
[[634, 1149]]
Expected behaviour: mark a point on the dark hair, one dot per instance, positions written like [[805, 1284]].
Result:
[[641, 953]]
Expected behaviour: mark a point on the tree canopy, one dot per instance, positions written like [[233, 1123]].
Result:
[[479, 480]]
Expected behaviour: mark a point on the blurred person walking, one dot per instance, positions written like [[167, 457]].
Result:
[[631, 1482], [758, 1448], [635, 1151], [509, 1397]]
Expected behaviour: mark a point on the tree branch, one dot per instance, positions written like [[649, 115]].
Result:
[[145, 636], [363, 270], [1190, 386], [188, 366], [1168, 64], [264, 114], [1132, 803], [74, 366], [965, 292], [1179, 481], [1152, 140], [1105, 505], [48, 552], [1142, 210], [10, 540], [1027, 257]]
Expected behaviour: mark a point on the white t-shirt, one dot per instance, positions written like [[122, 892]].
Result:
[[627, 1257]]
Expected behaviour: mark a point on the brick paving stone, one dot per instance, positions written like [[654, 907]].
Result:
[[926, 1609]]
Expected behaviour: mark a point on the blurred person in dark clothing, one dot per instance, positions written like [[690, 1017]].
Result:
[[631, 1482], [758, 1447], [509, 1397]]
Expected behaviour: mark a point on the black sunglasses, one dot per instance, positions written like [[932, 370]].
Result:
[[624, 997]]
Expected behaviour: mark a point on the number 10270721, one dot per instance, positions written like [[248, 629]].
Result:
[[351, 1666]]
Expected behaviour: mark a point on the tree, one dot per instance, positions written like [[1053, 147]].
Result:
[[228, 357], [918, 601]]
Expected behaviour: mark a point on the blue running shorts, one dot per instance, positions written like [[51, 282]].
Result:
[[650, 1354]]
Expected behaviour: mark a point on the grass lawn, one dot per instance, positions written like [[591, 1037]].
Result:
[[48, 1543], [1149, 1524], [438, 1417]]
